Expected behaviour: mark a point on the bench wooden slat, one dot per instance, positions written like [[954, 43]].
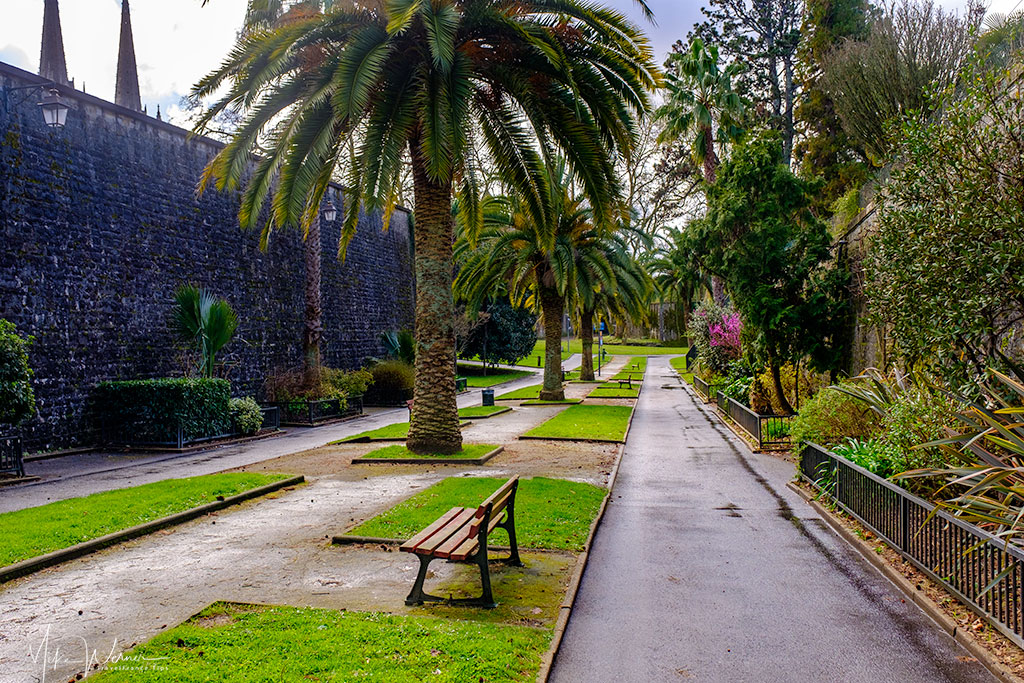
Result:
[[410, 545], [466, 537], [453, 527], [504, 492]]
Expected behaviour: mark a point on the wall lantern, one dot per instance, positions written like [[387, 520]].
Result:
[[55, 110], [330, 213]]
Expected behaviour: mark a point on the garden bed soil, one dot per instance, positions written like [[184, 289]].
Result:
[[968, 625]]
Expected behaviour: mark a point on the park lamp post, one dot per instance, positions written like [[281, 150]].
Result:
[[54, 108]]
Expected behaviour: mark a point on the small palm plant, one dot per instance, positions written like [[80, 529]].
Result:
[[205, 321]]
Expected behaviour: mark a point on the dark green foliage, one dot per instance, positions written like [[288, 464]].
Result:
[[353, 383], [508, 335], [150, 410], [17, 400], [946, 272], [825, 150], [392, 383], [246, 415], [761, 237]]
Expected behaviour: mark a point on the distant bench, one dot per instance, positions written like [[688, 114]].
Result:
[[460, 535]]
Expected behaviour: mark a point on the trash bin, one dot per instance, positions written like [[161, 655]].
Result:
[[488, 397]]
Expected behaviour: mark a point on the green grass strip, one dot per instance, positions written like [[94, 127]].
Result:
[[397, 451], [36, 531], [482, 411], [613, 390], [679, 365], [493, 377], [392, 432], [524, 393], [550, 513], [600, 423], [253, 644]]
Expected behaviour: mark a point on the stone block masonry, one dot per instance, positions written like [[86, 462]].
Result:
[[100, 222]]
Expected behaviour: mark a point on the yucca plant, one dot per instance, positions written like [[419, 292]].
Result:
[[203, 320], [989, 493]]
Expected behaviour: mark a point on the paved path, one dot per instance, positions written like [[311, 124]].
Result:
[[80, 475], [707, 568]]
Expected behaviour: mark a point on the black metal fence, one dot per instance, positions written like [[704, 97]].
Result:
[[271, 417], [691, 357], [708, 392], [984, 572], [310, 413], [770, 431], [12, 459]]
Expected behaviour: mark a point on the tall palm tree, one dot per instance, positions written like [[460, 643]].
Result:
[[370, 85], [677, 274], [703, 108], [608, 281]]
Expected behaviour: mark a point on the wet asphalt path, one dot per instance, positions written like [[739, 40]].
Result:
[[707, 568]]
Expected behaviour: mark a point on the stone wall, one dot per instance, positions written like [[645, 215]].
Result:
[[100, 222]]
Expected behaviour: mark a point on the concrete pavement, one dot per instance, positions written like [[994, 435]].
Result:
[[707, 568]]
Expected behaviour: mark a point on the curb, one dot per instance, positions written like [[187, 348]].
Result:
[[34, 564], [428, 461], [28, 479], [990, 662]]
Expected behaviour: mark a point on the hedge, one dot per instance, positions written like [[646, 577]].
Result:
[[150, 410]]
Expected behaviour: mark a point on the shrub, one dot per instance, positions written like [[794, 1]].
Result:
[[810, 384], [918, 416], [354, 383], [17, 400], [392, 383], [246, 414], [831, 417], [150, 410], [868, 454], [400, 345], [205, 322], [715, 333]]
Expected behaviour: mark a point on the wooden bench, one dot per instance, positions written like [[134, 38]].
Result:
[[627, 382], [461, 535]]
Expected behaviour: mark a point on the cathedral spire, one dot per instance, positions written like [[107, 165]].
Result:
[[126, 92], [52, 65]]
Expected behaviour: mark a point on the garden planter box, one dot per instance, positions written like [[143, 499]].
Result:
[[12, 456], [388, 400], [312, 413]]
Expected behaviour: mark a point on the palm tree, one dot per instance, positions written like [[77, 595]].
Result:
[[677, 274], [203, 320], [608, 281], [702, 107], [369, 86]]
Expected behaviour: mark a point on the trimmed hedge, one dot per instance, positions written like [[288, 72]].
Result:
[[150, 410]]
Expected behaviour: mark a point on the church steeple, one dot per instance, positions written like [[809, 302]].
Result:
[[52, 65], [126, 92]]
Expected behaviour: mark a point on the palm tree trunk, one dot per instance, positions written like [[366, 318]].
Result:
[[552, 307], [434, 427], [587, 339], [314, 330]]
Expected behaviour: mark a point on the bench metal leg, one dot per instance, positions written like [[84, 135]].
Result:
[[417, 596]]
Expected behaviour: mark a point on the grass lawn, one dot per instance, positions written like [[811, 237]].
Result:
[[39, 530], [550, 513], [393, 432], [492, 378], [520, 394], [246, 643], [611, 390], [478, 412], [601, 423], [470, 451], [679, 365], [576, 346]]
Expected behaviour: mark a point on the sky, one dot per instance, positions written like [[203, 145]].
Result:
[[178, 42]]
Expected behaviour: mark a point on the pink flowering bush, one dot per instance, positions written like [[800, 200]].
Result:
[[726, 334], [715, 332]]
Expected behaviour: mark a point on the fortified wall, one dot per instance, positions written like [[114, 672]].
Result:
[[100, 222]]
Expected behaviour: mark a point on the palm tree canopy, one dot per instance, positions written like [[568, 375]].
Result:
[[701, 101], [361, 84]]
